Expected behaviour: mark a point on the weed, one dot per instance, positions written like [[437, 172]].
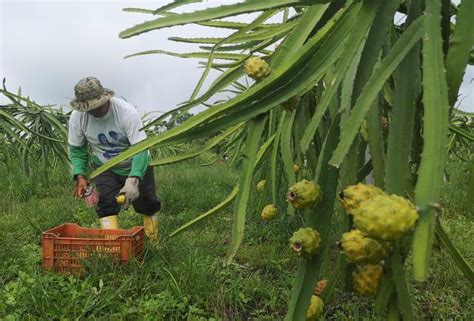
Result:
[[182, 278]]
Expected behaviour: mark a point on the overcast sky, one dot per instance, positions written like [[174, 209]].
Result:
[[47, 46]]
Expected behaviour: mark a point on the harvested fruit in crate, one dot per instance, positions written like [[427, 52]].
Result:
[[65, 247]]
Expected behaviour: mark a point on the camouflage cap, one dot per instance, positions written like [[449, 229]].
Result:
[[90, 94]]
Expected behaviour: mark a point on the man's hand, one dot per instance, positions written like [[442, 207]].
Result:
[[81, 186], [130, 189]]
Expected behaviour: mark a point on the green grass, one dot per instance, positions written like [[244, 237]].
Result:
[[182, 278]]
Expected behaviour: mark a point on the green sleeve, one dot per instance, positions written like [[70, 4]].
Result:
[[79, 158], [139, 164]]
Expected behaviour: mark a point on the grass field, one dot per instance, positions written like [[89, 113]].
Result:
[[182, 278]]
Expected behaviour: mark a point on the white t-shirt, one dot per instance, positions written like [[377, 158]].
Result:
[[109, 135]]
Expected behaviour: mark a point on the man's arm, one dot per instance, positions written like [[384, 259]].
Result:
[[139, 164], [135, 135], [79, 158], [77, 146]]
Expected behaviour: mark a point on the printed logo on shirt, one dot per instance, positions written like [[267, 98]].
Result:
[[111, 143]]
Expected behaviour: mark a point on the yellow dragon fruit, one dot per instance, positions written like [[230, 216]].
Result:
[[304, 194], [366, 280], [256, 68], [296, 168], [261, 185], [315, 309], [305, 242], [352, 196], [385, 217], [359, 248], [269, 212]]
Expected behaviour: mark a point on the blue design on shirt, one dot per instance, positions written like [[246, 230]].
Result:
[[113, 135], [120, 139], [116, 141], [104, 141]]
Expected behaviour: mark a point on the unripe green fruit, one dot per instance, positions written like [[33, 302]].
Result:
[[305, 242], [261, 185], [291, 104], [304, 194], [269, 212], [354, 195], [359, 248], [385, 217], [315, 309], [366, 280], [256, 68]]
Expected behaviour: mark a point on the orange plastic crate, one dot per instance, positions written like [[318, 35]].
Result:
[[66, 246]]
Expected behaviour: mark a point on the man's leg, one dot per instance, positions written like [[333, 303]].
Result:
[[148, 204], [108, 185]]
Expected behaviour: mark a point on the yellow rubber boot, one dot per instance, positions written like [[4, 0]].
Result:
[[109, 222], [151, 225]]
